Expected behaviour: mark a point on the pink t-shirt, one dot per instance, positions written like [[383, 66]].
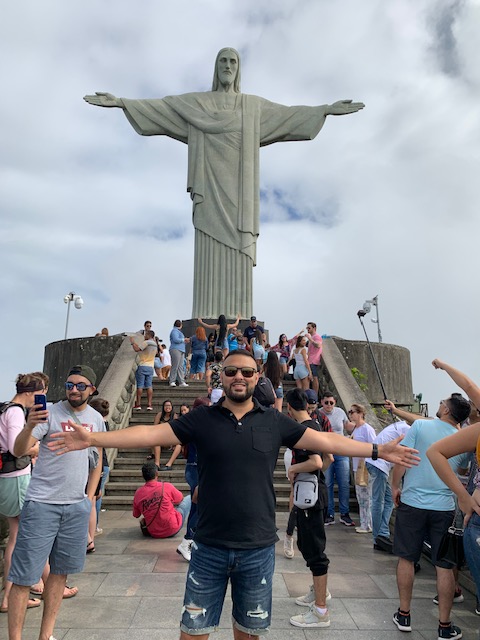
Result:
[[145, 503], [12, 422], [314, 353]]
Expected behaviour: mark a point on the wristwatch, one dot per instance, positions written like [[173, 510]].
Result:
[[375, 451]]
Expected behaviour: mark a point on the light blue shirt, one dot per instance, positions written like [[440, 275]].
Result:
[[177, 340], [422, 487]]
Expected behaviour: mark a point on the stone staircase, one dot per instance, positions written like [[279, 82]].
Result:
[[125, 474]]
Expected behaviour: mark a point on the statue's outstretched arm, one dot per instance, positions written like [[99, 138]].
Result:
[[343, 107], [101, 99]]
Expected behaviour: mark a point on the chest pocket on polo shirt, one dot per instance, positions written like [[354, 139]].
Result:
[[262, 439]]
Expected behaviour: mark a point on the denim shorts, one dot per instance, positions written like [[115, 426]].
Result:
[[279, 392], [314, 368], [197, 363], [144, 376], [300, 372], [50, 531], [250, 572]]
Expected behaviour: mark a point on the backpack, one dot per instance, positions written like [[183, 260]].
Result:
[[305, 490], [8, 462], [264, 392]]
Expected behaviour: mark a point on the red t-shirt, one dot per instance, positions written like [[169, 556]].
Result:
[[145, 503]]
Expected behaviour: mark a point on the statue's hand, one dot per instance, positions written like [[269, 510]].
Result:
[[343, 107], [101, 99]]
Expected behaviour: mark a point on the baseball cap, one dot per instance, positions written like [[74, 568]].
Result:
[[85, 371], [312, 397], [253, 319]]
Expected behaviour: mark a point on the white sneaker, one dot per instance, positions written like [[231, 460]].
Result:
[[361, 530], [184, 384], [311, 619], [172, 384], [309, 598], [185, 549], [288, 551]]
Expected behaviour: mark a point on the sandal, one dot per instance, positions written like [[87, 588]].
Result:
[[69, 592], [91, 547], [31, 604]]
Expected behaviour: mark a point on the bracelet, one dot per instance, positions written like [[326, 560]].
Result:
[[375, 451]]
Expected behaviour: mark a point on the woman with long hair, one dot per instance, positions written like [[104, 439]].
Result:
[[273, 372], [362, 432], [283, 348], [199, 346], [302, 374], [222, 328], [13, 484], [165, 415]]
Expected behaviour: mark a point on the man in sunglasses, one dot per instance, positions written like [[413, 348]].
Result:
[[54, 520], [237, 441]]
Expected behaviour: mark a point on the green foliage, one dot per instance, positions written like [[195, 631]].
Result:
[[361, 379]]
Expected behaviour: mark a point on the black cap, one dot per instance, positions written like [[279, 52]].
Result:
[[253, 319]]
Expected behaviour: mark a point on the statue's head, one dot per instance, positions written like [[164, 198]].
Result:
[[227, 69]]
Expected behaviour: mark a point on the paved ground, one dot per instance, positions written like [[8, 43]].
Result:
[[132, 589]]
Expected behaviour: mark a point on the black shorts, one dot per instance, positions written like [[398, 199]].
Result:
[[311, 539], [413, 526]]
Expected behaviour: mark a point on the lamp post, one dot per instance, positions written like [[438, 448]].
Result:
[[367, 307], [78, 303]]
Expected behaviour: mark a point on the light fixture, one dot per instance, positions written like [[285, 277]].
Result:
[[78, 303]]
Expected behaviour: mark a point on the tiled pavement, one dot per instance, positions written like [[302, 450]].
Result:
[[132, 589]]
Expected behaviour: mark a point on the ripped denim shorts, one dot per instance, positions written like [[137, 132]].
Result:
[[250, 572]]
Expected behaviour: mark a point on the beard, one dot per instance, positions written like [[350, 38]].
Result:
[[76, 402], [239, 395]]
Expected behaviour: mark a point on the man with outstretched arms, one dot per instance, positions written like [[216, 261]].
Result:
[[237, 442]]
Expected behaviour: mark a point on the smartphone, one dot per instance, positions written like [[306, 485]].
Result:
[[41, 398]]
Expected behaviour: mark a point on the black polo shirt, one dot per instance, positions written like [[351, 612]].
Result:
[[236, 460]]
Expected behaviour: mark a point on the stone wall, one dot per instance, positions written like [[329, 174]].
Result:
[[393, 363], [96, 352]]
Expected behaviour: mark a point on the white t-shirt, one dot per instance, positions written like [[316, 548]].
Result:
[[61, 479]]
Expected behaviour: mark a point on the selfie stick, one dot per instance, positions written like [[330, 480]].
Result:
[[360, 315]]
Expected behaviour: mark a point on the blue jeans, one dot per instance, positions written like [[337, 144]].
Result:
[[382, 502], [184, 508], [191, 476], [339, 470], [471, 544], [250, 572]]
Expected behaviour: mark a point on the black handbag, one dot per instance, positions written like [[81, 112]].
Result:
[[451, 545]]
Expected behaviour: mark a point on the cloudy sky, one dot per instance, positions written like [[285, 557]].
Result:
[[383, 202]]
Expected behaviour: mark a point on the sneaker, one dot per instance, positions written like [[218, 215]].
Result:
[[452, 632], [477, 608], [457, 598], [137, 407], [184, 384], [185, 549], [329, 520], [403, 622], [288, 551], [346, 520], [98, 531], [172, 384], [362, 530], [311, 619], [309, 598], [149, 408], [164, 467]]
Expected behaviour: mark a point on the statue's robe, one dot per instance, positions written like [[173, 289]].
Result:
[[223, 180]]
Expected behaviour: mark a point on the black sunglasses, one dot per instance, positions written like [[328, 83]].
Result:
[[329, 402], [247, 372], [81, 386]]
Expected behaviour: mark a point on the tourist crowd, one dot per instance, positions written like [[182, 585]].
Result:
[[54, 468]]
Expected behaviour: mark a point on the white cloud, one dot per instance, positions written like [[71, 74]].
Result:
[[387, 199]]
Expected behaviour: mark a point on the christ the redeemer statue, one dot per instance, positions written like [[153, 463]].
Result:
[[224, 130]]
